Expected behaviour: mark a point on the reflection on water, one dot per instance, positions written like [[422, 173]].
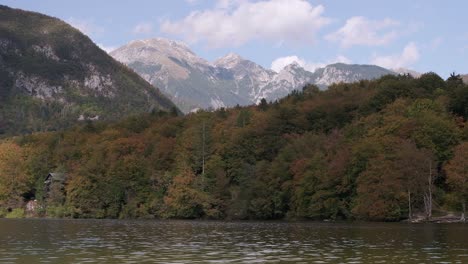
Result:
[[112, 241]]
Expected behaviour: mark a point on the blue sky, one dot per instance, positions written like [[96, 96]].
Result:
[[424, 35]]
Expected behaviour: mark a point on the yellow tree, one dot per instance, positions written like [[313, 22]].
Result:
[[457, 174], [14, 181], [183, 200]]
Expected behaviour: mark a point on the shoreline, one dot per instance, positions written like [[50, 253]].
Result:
[[450, 219], [445, 219]]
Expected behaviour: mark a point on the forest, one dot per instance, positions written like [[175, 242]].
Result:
[[382, 150]]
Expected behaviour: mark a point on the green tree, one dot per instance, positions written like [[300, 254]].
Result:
[[243, 119]]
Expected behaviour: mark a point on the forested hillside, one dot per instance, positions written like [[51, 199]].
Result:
[[52, 75], [372, 150]]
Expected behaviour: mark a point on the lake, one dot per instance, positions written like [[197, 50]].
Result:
[[135, 241]]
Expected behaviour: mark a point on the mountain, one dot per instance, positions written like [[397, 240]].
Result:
[[249, 78], [51, 75], [347, 73], [188, 80], [192, 82], [465, 78], [290, 78]]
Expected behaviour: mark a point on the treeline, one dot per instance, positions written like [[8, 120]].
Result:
[[381, 150]]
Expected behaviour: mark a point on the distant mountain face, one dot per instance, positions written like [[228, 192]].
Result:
[[51, 75], [415, 74], [192, 82], [465, 78]]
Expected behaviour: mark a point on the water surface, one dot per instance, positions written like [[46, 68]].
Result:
[[116, 241]]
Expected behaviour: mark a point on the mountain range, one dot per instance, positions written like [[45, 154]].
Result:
[[193, 82], [52, 75]]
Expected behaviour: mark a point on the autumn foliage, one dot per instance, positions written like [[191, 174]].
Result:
[[386, 150]]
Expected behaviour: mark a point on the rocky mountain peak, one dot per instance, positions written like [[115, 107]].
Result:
[[294, 74], [192, 82], [229, 61], [292, 67], [151, 50]]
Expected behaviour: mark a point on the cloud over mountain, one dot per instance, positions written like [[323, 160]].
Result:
[[234, 23], [359, 30], [407, 57], [278, 64]]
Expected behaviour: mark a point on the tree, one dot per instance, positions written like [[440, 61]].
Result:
[[380, 191], [263, 104], [457, 174], [243, 119], [458, 103], [203, 151], [183, 200], [454, 80], [429, 188], [411, 165], [395, 172], [14, 181], [430, 82]]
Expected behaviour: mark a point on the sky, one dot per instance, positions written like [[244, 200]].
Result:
[[422, 35]]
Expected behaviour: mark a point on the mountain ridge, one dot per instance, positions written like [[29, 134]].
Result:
[[52, 75], [193, 82]]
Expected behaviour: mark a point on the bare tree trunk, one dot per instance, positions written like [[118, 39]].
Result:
[[410, 214], [428, 194], [203, 151], [463, 213]]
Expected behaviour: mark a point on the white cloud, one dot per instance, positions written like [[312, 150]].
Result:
[[408, 56], [86, 26], [278, 64], [107, 49], [236, 22], [362, 31], [143, 28]]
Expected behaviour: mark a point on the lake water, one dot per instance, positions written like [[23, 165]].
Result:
[[114, 241]]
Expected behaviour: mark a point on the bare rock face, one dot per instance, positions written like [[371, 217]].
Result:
[[36, 86], [465, 78], [47, 51], [194, 83]]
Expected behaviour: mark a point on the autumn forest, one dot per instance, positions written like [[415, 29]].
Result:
[[390, 149]]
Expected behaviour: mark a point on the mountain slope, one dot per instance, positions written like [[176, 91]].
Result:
[[465, 78], [51, 75], [340, 72], [190, 81], [249, 77], [193, 82]]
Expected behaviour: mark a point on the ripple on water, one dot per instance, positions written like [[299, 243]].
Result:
[[93, 241]]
